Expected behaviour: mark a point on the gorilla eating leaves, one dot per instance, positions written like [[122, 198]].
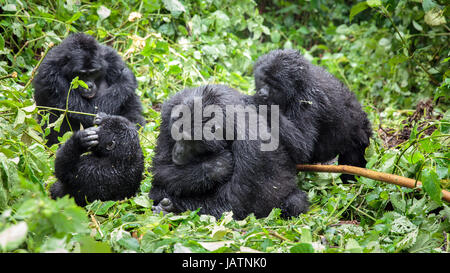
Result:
[[220, 175], [322, 113], [111, 171], [111, 84]]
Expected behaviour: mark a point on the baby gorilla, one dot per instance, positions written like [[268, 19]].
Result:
[[111, 171], [324, 118]]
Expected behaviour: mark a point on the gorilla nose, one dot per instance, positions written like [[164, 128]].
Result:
[[263, 92], [90, 85]]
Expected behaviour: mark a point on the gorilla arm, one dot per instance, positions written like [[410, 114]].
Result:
[[68, 155], [299, 142], [194, 178]]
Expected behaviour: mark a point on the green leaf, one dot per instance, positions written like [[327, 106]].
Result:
[[27, 209], [221, 20], [435, 17], [417, 26], [432, 185], [218, 232], [428, 5], [161, 229], [2, 42], [353, 246], [302, 248], [374, 3], [275, 36], [12, 237], [83, 84], [174, 6], [20, 118], [103, 12], [74, 17], [9, 7], [306, 235], [357, 9], [57, 124], [129, 242], [416, 157], [89, 245], [99, 207], [142, 201], [397, 202]]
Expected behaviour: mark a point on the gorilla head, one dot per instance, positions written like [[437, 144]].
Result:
[[84, 60], [196, 124], [278, 77], [114, 135]]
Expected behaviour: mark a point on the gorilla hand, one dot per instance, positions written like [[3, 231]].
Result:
[[220, 168], [165, 206], [88, 138]]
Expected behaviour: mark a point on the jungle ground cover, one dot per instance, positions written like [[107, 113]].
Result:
[[394, 55]]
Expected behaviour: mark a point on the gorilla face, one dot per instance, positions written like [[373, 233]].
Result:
[[188, 149], [91, 72], [94, 81], [276, 77], [84, 61]]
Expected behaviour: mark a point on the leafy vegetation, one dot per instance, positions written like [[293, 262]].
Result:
[[394, 55]]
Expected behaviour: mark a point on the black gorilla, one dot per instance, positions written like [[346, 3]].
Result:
[[326, 117], [111, 171], [220, 175], [111, 84]]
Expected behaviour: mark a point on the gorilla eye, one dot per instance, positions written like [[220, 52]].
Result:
[[111, 145]]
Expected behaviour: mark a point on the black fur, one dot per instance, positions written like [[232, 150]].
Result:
[[111, 84], [234, 176], [111, 171], [326, 118]]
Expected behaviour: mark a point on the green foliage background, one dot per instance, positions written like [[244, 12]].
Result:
[[392, 54]]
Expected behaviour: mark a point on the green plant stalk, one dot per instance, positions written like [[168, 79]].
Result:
[[405, 44], [64, 110], [412, 143], [349, 203]]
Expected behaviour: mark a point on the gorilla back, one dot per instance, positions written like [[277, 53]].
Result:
[[111, 85], [112, 170], [233, 176]]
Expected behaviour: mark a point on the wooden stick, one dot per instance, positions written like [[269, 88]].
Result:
[[385, 177]]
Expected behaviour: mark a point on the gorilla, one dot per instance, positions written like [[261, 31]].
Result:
[[112, 168], [111, 84], [324, 115], [219, 175]]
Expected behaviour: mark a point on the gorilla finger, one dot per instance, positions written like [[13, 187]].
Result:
[[93, 129], [92, 143], [99, 118], [90, 137], [166, 202]]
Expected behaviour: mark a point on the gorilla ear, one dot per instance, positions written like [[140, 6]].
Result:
[[110, 146], [123, 126]]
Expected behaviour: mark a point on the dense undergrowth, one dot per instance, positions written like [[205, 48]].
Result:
[[394, 55]]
